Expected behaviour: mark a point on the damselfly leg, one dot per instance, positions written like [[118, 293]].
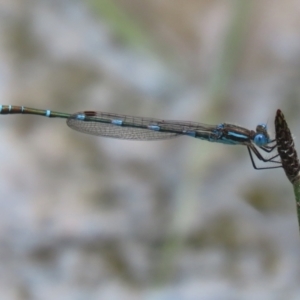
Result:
[[251, 148]]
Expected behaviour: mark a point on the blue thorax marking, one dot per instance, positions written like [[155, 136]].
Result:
[[227, 141], [238, 135]]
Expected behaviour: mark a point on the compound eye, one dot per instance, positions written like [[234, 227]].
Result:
[[261, 127], [260, 140]]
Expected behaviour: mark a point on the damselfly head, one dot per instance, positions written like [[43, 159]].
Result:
[[261, 137]]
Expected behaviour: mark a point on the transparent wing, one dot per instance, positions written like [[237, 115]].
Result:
[[132, 128]]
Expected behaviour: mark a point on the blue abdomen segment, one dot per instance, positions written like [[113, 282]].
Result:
[[153, 127], [117, 122]]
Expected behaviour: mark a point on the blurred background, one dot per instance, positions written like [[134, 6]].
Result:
[[85, 217]]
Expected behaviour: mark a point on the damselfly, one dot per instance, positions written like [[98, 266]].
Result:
[[146, 129], [286, 148]]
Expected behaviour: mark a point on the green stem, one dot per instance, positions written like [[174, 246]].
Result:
[[297, 196]]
